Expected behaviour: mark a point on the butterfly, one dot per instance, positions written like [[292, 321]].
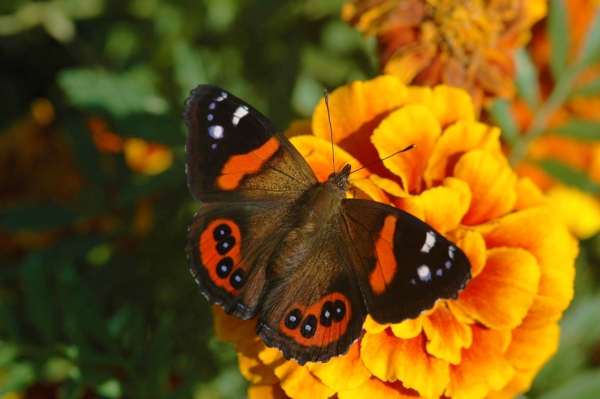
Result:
[[271, 241]]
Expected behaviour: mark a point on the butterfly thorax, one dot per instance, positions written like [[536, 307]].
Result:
[[339, 182]]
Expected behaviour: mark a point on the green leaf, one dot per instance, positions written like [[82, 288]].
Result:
[[120, 94], [579, 129], [558, 32], [590, 51], [569, 176], [189, 67], [36, 216], [586, 385], [153, 184], [503, 117], [17, 377], [527, 80], [40, 308], [589, 89], [163, 129]]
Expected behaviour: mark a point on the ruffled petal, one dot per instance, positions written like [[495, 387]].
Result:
[[266, 392], [538, 231], [461, 137], [374, 388], [390, 359], [529, 195], [451, 104], [412, 124], [446, 335], [492, 185], [442, 206], [473, 245], [408, 328], [483, 367], [502, 294], [342, 373], [578, 209]]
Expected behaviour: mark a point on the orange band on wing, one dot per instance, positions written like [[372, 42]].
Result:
[[324, 334], [238, 166], [386, 265], [225, 267]]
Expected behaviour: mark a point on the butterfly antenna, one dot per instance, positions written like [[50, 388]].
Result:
[[410, 147], [330, 128]]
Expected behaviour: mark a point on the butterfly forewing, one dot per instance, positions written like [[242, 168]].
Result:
[[234, 153], [405, 266]]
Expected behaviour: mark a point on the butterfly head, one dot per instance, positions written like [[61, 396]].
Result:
[[339, 181]]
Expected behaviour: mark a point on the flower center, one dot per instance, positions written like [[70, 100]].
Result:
[[465, 27]]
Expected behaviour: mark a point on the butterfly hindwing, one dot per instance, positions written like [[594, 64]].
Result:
[[313, 311], [404, 265], [233, 152]]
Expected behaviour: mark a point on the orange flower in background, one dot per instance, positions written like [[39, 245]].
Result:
[[495, 337], [581, 210], [462, 43]]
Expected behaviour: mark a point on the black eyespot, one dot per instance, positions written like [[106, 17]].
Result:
[[293, 319], [221, 231], [326, 314], [225, 245], [309, 326], [339, 310], [237, 279], [224, 267]]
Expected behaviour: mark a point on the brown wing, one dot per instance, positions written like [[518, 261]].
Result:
[[313, 311]]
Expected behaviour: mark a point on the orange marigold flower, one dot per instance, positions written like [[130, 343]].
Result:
[[494, 338], [463, 43]]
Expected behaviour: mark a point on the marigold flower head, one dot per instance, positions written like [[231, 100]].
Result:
[[494, 338], [462, 43]]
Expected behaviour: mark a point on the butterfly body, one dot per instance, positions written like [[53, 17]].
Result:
[[271, 241]]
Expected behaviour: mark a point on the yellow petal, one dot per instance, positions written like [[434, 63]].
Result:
[[266, 392], [473, 245], [503, 293], [375, 388], [412, 124], [492, 185], [483, 367], [451, 104], [446, 335], [390, 359], [342, 373], [578, 209], [528, 195], [442, 207], [408, 328], [457, 139]]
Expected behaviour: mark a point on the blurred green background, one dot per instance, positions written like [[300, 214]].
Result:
[[96, 299]]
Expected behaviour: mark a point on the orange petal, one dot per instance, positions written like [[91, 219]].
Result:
[[492, 185], [317, 153], [342, 373], [388, 185], [231, 328], [370, 190], [371, 326], [296, 381], [446, 335], [528, 195], [250, 364], [539, 231], [408, 63], [483, 367], [391, 359], [412, 124], [266, 392], [451, 104], [457, 139], [473, 245], [356, 109], [299, 127], [442, 207], [503, 293], [408, 328], [375, 388]]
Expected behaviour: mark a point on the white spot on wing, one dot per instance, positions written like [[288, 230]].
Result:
[[439, 272], [214, 146], [216, 132], [212, 106], [209, 117], [451, 250], [424, 273], [222, 97], [239, 113], [429, 242], [448, 264]]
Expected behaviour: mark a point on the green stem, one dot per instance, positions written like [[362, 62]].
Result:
[[539, 125]]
